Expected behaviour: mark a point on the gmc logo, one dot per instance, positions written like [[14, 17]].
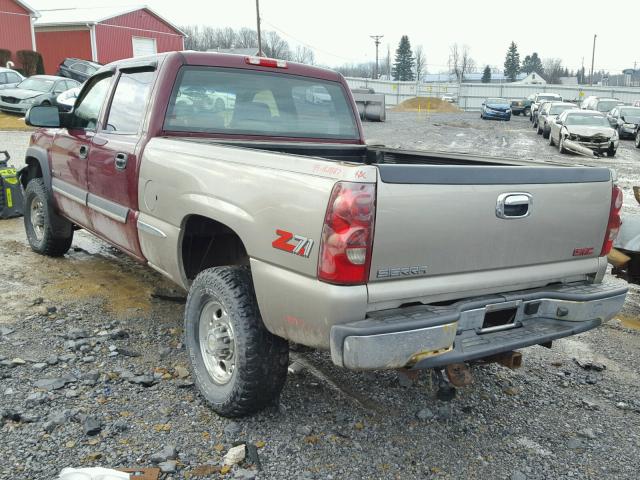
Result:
[[295, 244]]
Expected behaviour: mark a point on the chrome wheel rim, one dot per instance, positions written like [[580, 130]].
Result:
[[217, 342], [37, 217]]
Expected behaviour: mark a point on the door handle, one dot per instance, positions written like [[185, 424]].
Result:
[[84, 151], [514, 205], [121, 161]]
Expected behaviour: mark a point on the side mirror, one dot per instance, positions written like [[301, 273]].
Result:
[[43, 116]]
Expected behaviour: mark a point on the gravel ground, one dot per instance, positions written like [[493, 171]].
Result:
[[93, 372]]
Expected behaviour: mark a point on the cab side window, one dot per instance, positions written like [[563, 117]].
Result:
[[89, 105], [130, 102]]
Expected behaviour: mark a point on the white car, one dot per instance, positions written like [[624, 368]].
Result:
[[9, 78], [538, 99], [447, 97], [583, 132], [548, 112]]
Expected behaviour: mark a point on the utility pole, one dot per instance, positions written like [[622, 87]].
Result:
[[581, 80], [376, 40], [593, 56], [260, 54]]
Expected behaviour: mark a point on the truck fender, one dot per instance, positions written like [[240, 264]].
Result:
[[36, 159]]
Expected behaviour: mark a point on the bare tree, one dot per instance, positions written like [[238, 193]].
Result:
[[421, 61], [359, 70], [460, 61], [246, 38], [553, 70], [225, 37], [275, 46], [303, 55]]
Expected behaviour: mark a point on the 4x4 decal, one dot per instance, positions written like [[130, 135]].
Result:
[[300, 246]]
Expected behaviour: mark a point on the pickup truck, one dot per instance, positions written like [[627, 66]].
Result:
[[284, 225]]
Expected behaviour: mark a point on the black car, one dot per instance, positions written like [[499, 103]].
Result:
[[77, 69]]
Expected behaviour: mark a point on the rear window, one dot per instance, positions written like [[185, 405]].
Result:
[[249, 102]]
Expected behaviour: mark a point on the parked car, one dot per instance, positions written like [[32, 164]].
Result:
[[9, 78], [498, 108], [67, 99], [522, 106], [448, 97], [636, 103], [536, 114], [35, 90], [549, 111], [538, 99], [77, 69], [625, 120], [637, 136], [284, 225], [602, 105], [583, 131]]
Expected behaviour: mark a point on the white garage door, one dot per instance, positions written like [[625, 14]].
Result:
[[144, 46]]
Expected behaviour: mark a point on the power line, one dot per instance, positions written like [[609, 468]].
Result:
[[305, 43]]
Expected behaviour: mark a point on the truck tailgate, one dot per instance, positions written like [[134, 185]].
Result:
[[437, 220]]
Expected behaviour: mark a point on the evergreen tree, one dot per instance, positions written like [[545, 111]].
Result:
[[512, 62], [486, 75], [404, 66], [532, 63]]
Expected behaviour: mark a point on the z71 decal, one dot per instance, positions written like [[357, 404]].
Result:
[[296, 244]]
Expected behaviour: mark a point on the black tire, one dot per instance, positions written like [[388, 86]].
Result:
[[551, 141], [517, 114], [611, 152], [561, 148], [260, 359], [539, 129], [637, 140], [546, 133], [51, 235]]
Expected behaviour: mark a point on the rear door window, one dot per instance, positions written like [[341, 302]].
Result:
[[251, 102]]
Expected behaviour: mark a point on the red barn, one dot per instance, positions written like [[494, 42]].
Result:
[[103, 34], [16, 26]]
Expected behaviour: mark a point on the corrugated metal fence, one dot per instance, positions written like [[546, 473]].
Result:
[[469, 96]]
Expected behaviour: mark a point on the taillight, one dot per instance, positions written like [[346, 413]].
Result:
[[266, 62], [613, 226], [347, 234]]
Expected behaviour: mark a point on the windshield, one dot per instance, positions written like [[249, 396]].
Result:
[[606, 105], [558, 109], [37, 84], [587, 120], [631, 114], [248, 102], [500, 101], [542, 98]]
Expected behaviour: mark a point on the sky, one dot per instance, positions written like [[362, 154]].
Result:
[[338, 31]]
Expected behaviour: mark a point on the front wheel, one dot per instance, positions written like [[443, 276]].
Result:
[[561, 148], [611, 152], [47, 233], [238, 366]]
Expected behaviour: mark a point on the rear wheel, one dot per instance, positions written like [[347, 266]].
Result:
[[545, 133], [47, 233], [637, 141], [551, 141], [526, 112], [238, 366]]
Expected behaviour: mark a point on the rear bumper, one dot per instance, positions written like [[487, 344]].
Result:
[[431, 336]]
